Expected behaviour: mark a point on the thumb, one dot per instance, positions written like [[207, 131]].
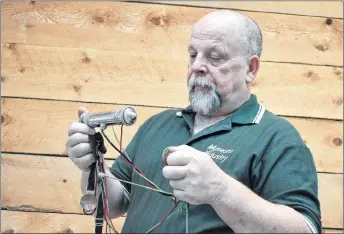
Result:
[[82, 110], [181, 148]]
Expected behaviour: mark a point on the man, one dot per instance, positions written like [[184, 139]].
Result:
[[240, 167]]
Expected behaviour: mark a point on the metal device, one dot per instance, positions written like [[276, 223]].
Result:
[[125, 116], [90, 202]]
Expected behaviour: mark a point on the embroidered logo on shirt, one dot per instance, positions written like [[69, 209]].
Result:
[[218, 153]]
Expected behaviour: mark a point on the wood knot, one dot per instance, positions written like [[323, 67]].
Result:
[[98, 19], [32, 2], [86, 59], [322, 47], [22, 70], [9, 231], [28, 25], [3, 79], [12, 46], [337, 101], [67, 230], [337, 141], [158, 20], [77, 88], [312, 76], [337, 71], [5, 119], [64, 180], [328, 21]]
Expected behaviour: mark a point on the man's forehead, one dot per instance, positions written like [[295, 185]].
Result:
[[211, 39], [208, 35]]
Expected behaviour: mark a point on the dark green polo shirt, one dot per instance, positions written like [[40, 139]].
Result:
[[254, 146]]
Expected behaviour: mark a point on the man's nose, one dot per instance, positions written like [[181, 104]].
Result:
[[198, 66]]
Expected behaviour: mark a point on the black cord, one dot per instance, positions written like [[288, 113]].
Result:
[[128, 160], [108, 140]]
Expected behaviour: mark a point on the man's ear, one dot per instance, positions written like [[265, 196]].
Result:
[[253, 68]]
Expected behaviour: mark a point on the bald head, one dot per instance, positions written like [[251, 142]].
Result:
[[232, 25]]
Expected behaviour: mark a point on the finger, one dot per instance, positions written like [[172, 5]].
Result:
[[179, 194], [80, 128], [181, 148], [84, 162], [174, 172], [80, 150], [82, 110], [78, 138], [178, 184], [179, 158]]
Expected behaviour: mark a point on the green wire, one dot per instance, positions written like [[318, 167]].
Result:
[[128, 158], [186, 218], [157, 190], [169, 216]]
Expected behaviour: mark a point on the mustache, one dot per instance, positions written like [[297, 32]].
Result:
[[202, 82]]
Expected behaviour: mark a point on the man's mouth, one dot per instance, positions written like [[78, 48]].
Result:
[[201, 88]]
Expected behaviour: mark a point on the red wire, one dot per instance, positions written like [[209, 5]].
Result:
[[130, 164], [120, 142], [106, 209], [150, 184], [174, 207]]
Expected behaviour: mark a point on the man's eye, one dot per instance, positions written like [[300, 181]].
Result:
[[215, 58], [193, 55]]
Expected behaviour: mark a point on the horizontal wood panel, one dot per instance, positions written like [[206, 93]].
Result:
[[38, 126], [59, 181], [34, 222], [66, 195], [162, 29], [29, 222], [136, 78], [325, 230], [331, 199], [315, 8]]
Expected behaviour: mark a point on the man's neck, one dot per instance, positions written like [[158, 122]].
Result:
[[201, 121]]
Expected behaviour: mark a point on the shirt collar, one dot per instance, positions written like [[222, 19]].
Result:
[[250, 112]]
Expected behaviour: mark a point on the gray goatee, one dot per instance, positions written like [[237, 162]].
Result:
[[203, 96]]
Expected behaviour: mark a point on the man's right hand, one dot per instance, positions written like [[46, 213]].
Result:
[[79, 144]]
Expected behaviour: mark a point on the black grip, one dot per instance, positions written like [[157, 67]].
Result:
[[100, 216], [92, 178], [98, 139]]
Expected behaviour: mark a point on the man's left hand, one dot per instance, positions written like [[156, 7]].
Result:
[[194, 176]]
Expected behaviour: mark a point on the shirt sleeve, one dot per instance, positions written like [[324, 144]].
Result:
[[287, 175], [121, 169]]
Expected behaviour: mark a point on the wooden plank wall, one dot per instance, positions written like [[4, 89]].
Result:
[[57, 56]]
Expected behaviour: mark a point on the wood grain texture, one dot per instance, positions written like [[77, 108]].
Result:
[[162, 29], [132, 77], [34, 222], [38, 194], [331, 197], [315, 8], [29, 222], [328, 230], [37, 126], [55, 190]]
